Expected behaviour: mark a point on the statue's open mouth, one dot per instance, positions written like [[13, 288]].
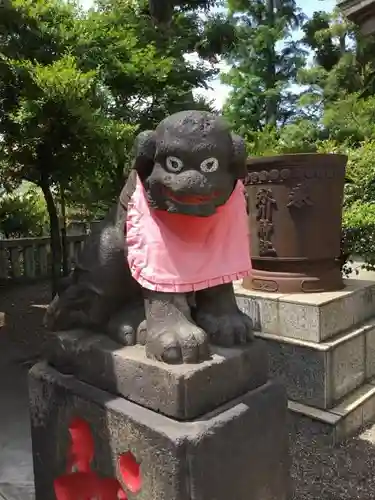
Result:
[[191, 199]]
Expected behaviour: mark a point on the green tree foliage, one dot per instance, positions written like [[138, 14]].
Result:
[[335, 108], [340, 101], [23, 214], [151, 72], [75, 87], [264, 63], [52, 112], [343, 62]]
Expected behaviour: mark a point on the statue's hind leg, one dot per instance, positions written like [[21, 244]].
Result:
[[124, 325]]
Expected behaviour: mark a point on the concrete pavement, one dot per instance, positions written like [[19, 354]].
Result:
[[16, 470]]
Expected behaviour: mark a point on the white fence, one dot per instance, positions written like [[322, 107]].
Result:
[[28, 259]]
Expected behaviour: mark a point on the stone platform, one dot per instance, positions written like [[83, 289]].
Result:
[[322, 347], [161, 432], [180, 391]]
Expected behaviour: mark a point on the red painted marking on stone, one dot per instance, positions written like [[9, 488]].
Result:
[[130, 472], [82, 483], [81, 452], [76, 486], [111, 490], [86, 486]]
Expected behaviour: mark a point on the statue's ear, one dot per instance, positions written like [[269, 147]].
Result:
[[144, 153], [239, 157]]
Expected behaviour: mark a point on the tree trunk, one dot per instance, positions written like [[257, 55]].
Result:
[[64, 243], [54, 235], [271, 107]]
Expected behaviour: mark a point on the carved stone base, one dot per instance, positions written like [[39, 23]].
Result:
[[326, 278], [322, 348], [239, 451], [179, 391]]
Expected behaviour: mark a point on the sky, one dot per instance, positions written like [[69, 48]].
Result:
[[219, 92]]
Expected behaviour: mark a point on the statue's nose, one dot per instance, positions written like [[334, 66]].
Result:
[[191, 182]]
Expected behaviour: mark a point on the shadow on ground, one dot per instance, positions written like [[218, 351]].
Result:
[[346, 472], [16, 472], [20, 343], [24, 307]]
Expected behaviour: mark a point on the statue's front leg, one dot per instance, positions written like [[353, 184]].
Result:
[[218, 314], [172, 335]]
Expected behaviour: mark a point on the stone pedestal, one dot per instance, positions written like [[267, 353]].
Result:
[[322, 347], [215, 430]]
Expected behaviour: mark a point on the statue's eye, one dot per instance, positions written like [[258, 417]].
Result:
[[174, 164], [210, 165]]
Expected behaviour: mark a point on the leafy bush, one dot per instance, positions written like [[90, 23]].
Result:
[[358, 237], [359, 205], [22, 214]]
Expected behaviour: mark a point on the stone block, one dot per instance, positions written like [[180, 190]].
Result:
[[348, 364], [239, 451], [370, 354], [320, 374], [313, 317], [262, 307], [303, 369], [179, 391], [342, 421]]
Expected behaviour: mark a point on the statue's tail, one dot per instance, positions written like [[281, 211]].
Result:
[[50, 315]]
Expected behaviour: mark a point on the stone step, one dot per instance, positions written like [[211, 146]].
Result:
[[314, 317], [342, 421], [321, 374]]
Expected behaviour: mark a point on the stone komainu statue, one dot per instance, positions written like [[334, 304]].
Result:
[[159, 269]]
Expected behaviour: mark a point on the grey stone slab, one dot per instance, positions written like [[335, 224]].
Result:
[[344, 420], [320, 374], [180, 391], [313, 317], [240, 451], [352, 309], [264, 311], [300, 321], [370, 353], [348, 366], [368, 409], [302, 369]]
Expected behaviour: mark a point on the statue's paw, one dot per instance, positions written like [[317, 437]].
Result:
[[123, 326], [185, 342], [123, 333], [226, 330], [142, 333]]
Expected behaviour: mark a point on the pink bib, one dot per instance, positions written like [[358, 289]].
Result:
[[169, 252]]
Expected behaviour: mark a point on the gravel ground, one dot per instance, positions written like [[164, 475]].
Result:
[[320, 471]]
